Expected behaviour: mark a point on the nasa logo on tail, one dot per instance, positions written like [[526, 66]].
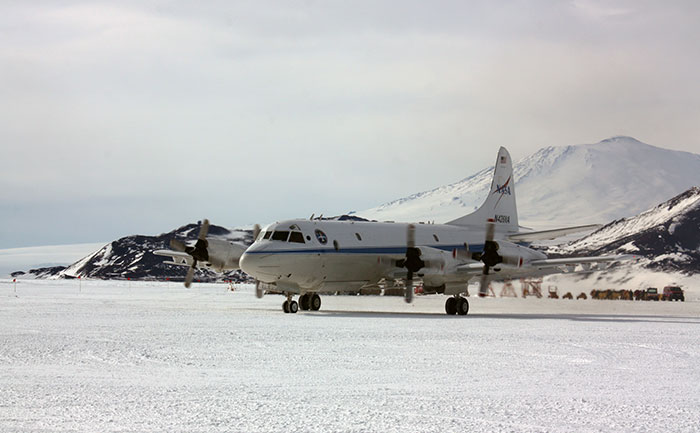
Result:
[[503, 189]]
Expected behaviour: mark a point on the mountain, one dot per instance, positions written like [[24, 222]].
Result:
[[39, 273], [132, 257], [665, 237], [568, 185]]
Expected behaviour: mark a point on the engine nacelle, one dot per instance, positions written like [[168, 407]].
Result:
[[438, 263], [516, 255], [224, 254]]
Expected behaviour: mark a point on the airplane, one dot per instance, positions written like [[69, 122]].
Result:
[[307, 256]]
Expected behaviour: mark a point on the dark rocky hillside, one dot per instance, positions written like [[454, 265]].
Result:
[[666, 237], [132, 257]]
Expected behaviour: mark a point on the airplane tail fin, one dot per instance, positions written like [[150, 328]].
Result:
[[500, 203]]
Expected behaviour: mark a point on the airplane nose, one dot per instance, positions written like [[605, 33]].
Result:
[[247, 264], [257, 265]]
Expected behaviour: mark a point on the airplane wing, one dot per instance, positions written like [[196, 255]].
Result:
[[586, 263], [177, 257], [542, 267], [550, 234], [579, 260]]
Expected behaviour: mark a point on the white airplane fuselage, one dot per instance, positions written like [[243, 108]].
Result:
[[306, 256], [346, 255]]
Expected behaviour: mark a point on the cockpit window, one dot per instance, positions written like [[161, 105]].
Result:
[[296, 237], [267, 235], [280, 235]]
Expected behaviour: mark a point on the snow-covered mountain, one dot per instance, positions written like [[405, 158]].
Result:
[[665, 237], [558, 186], [132, 257]]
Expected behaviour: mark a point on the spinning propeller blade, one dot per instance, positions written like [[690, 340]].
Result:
[[490, 257], [198, 252], [203, 230], [190, 275], [258, 290], [256, 232], [411, 253]]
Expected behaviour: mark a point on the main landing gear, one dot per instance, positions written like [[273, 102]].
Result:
[[307, 301], [457, 305]]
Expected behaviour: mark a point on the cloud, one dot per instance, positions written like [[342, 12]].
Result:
[[289, 108]]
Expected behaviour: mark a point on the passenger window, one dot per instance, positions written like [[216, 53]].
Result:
[[296, 237], [436, 238], [267, 235], [281, 235], [357, 235]]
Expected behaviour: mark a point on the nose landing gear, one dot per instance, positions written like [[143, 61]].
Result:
[[290, 305]]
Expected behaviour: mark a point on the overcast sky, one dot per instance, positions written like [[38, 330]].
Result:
[[125, 117]]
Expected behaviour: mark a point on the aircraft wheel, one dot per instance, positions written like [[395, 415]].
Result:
[[304, 301], [293, 307], [462, 306], [451, 306], [285, 306], [315, 302]]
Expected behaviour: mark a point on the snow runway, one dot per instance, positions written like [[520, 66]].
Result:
[[155, 357]]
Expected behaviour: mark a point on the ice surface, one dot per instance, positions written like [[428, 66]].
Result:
[[118, 356]]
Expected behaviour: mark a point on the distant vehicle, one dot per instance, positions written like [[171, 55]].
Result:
[[673, 293], [651, 294]]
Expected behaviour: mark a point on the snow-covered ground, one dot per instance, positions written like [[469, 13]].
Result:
[[118, 356]]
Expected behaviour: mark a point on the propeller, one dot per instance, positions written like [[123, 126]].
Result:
[[490, 257], [198, 252], [412, 262], [258, 289]]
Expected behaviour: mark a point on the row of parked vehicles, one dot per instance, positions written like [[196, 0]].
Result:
[[670, 293]]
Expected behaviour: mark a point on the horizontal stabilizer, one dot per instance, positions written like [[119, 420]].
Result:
[[178, 258], [550, 234], [171, 253]]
